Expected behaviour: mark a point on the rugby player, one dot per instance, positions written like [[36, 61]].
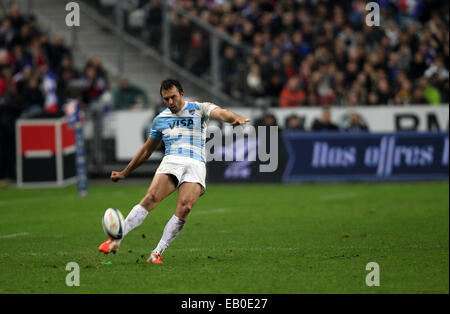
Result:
[[182, 128]]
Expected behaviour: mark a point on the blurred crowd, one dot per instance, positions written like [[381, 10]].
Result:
[[37, 74], [37, 77], [352, 123], [315, 52]]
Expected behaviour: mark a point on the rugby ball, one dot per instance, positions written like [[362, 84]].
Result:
[[113, 223]]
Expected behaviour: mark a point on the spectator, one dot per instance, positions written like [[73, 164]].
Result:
[[254, 81], [197, 58], [16, 18], [372, 99], [324, 123], [404, 95], [274, 88], [35, 30], [294, 123], [355, 124], [268, 120], [6, 33], [418, 66], [229, 70], [101, 74], [66, 65], [32, 98], [352, 98], [384, 92], [153, 22], [300, 48], [292, 95], [247, 32], [92, 85], [21, 59], [58, 52], [49, 86], [431, 94], [128, 96], [5, 80], [66, 75], [181, 36], [288, 66], [38, 56], [266, 67], [438, 68], [22, 38]]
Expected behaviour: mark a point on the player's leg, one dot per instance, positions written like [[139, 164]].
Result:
[[162, 185], [188, 194]]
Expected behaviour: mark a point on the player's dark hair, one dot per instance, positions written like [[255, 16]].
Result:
[[169, 83]]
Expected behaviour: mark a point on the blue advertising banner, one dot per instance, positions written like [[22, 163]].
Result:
[[365, 156]]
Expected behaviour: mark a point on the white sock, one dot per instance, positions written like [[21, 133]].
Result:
[[134, 218], [172, 229]]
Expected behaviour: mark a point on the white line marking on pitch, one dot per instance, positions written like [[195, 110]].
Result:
[[14, 235]]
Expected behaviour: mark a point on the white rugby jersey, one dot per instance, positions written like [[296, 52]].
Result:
[[184, 132]]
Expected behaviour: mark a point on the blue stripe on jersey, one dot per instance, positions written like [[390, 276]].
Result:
[[192, 106], [166, 126], [191, 141]]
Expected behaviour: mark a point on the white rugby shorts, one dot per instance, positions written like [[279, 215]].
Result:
[[185, 169]]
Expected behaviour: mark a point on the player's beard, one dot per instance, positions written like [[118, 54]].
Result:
[[176, 108]]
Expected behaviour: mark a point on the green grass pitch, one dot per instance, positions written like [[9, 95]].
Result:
[[238, 239]]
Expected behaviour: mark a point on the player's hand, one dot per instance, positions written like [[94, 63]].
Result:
[[116, 176], [240, 121]]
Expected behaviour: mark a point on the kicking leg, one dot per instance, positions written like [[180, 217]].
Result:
[[161, 186], [188, 194]]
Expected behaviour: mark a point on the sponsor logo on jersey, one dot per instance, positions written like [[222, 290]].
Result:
[[182, 122]]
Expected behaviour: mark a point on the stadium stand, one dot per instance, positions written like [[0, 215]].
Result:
[[37, 76], [30, 62], [325, 45]]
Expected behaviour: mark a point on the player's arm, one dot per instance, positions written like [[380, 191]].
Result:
[[228, 116], [141, 156]]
